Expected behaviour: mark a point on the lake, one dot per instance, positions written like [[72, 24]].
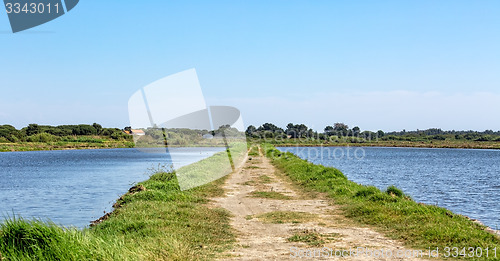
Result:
[[74, 187], [466, 181]]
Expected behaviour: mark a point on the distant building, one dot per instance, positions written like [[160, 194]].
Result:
[[137, 132]]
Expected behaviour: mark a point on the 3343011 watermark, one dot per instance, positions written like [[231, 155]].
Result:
[[384, 253], [26, 14]]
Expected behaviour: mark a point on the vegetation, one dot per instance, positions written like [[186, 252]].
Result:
[[155, 220], [341, 135], [311, 238], [41, 137], [279, 217], [392, 212], [155, 137], [270, 195], [213, 167]]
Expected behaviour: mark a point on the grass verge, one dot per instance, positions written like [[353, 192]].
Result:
[[270, 195], [311, 237], [155, 220], [280, 217], [392, 212]]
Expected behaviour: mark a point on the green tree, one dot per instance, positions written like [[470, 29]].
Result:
[[32, 129], [250, 130], [341, 129], [356, 131], [297, 130], [98, 128]]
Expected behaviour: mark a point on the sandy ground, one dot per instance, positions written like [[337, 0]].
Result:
[[261, 240]]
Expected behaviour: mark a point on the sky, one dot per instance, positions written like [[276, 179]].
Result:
[[389, 65]]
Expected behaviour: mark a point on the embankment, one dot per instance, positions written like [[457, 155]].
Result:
[[154, 221], [391, 212]]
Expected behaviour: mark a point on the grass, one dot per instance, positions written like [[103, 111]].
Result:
[[250, 183], [280, 217], [311, 237], [265, 179], [79, 143], [392, 212], [254, 151], [29, 240], [154, 221], [270, 195]]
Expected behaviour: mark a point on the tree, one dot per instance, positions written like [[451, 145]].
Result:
[[250, 130], [356, 131], [98, 128], [341, 129], [32, 129], [380, 134], [329, 130], [270, 127], [297, 130]]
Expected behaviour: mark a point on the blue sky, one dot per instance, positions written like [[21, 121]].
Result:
[[388, 65]]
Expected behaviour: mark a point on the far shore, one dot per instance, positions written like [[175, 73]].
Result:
[[45, 146], [431, 145], [41, 146]]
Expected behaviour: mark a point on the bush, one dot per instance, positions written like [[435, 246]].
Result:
[[484, 138], [438, 137], [42, 137], [366, 191], [393, 190]]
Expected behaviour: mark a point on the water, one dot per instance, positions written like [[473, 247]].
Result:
[[74, 187], [463, 180]]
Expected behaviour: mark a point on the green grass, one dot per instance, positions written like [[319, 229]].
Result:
[[392, 212], [156, 222], [254, 151], [280, 217], [270, 195], [33, 239], [265, 179], [250, 183], [311, 238], [212, 168]]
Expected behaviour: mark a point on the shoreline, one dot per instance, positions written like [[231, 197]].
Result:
[[85, 147], [43, 146], [492, 229], [390, 211], [153, 220], [188, 225], [19, 147], [392, 145]]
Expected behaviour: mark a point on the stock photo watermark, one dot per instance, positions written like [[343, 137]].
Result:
[[26, 14], [329, 153], [171, 113], [384, 253]]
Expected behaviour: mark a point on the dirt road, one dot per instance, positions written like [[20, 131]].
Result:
[[273, 221]]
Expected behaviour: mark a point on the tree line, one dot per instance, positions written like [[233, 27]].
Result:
[[340, 131], [45, 133]]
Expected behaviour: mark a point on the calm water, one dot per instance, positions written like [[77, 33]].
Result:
[[464, 181], [74, 187]]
